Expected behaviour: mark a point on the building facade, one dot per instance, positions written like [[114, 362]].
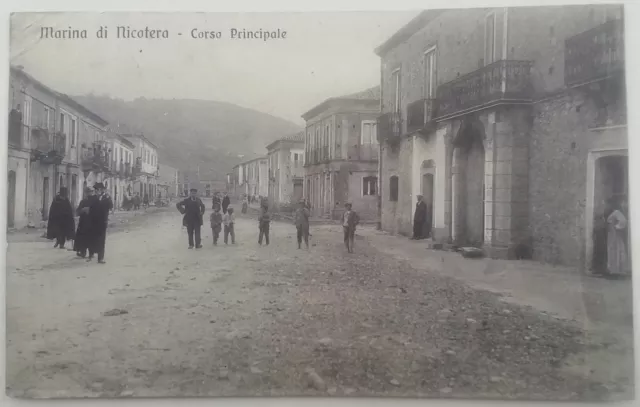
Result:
[[119, 178], [146, 166], [285, 158], [511, 122], [47, 137], [341, 155], [256, 172]]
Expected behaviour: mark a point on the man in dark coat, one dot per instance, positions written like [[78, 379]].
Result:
[[226, 201], [193, 210], [61, 225], [83, 233], [420, 221], [98, 220]]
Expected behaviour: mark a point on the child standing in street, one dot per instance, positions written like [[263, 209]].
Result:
[[350, 220], [302, 224], [216, 224], [229, 220], [263, 224]]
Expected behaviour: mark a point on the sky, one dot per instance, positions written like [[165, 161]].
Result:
[[323, 55]]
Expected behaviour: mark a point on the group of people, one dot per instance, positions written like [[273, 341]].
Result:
[[93, 212], [134, 202], [611, 255], [193, 209]]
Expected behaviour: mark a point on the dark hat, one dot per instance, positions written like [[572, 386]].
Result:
[[347, 204], [98, 185], [193, 190]]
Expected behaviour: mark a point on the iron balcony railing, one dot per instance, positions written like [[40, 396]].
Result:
[[95, 158], [594, 54], [419, 114], [504, 81], [46, 147], [389, 126]]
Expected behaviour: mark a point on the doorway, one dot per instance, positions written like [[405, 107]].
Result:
[[74, 190], [428, 191], [11, 199]]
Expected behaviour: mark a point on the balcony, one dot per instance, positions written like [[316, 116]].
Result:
[[420, 114], [595, 54], [95, 158], [47, 148], [502, 82], [389, 126]]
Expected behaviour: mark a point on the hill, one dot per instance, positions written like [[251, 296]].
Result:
[[192, 133]]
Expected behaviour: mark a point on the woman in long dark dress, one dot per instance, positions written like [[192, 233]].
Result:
[[81, 243], [61, 225]]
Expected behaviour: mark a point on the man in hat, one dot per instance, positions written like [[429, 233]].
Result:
[[61, 225], [350, 220], [80, 244], [193, 210], [98, 220]]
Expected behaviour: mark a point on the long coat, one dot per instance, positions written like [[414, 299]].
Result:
[[83, 233], [193, 211], [61, 222], [98, 220], [421, 221], [225, 203]]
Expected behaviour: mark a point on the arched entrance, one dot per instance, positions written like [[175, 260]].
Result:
[[428, 171], [468, 183], [11, 199]]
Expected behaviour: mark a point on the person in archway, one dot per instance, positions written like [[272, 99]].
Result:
[[83, 233], [193, 210], [226, 201], [420, 219], [61, 225], [99, 219], [618, 263]]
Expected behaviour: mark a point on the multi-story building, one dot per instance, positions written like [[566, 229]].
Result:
[[168, 180], [256, 173], [341, 155], [146, 165], [119, 177], [511, 122], [48, 131], [285, 159]]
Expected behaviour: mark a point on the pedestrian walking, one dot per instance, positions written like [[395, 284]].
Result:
[[216, 201], [302, 224], [83, 233], [136, 201], [245, 205], [216, 224], [193, 210], [350, 220], [226, 201], [145, 201], [61, 225], [98, 219], [421, 221], [264, 220], [229, 221]]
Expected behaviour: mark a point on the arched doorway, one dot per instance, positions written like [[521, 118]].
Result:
[[428, 190], [11, 199], [468, 185]]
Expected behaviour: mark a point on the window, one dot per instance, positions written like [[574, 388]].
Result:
[[430, 73], [369, 186], [61, 128], [397, 90], [393, 188], [490, 38], [72, 131], [369, 132], [47, 118]]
